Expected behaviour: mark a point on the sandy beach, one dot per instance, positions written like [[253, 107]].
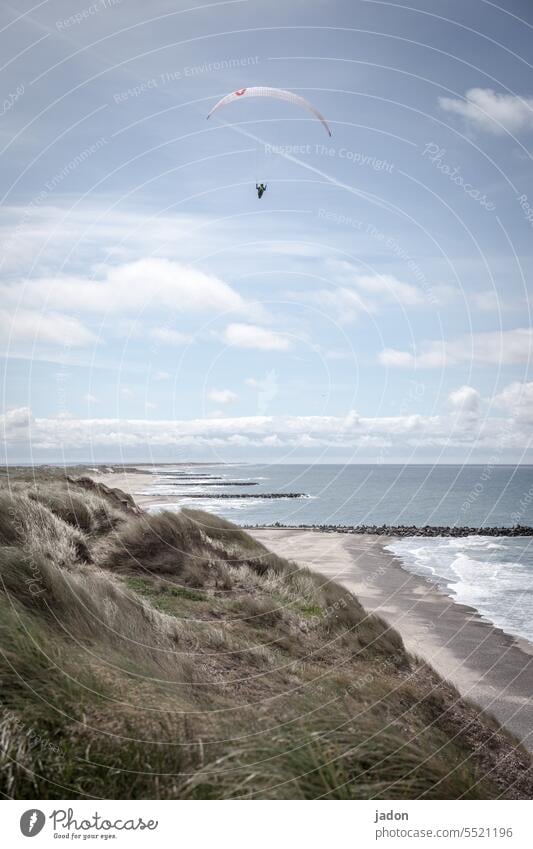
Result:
[[485, 664], [134, 480]]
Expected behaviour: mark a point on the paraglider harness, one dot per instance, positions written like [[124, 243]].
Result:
[[261, 189]]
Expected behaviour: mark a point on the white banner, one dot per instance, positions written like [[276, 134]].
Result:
[[264, 824]]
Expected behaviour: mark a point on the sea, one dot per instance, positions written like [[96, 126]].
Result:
[[494, 575]]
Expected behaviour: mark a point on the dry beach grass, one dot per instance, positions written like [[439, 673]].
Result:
[[174, 656]]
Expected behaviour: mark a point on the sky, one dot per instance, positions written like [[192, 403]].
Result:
[[372, 307]]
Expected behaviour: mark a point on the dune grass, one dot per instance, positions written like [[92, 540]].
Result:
[[173, 656]]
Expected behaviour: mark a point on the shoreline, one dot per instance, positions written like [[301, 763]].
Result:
[[132, 479], [185, 615], [395, 531], [485, 664]]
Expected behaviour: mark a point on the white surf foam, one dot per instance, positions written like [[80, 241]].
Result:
[[494, 577]]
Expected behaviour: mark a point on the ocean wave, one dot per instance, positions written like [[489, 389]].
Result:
[[209, 506], [496, 579]]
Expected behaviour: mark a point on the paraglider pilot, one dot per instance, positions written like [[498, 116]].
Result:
[[261, 189]]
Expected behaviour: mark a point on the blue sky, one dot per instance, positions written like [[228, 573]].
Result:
[[372, 307]]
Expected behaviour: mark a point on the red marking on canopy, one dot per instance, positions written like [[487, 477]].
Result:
[[240, 91]]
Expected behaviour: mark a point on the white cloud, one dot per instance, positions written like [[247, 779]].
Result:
[[126, 392], [91, 399], [494, 112], [222, 396], [153, 284], [52, 328], [442, 294], [352, 431], [252, 336], [352, 293], [390, 287], [383, 287], [47, 232], [161, 375], [167, 336], [15, 425], [396, 359], [466, 399], [517, 399], [347, 304], [506, 347], [488, 301]]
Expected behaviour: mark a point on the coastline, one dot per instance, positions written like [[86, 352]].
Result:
[[486, 665], [179, 614], [133, 479]]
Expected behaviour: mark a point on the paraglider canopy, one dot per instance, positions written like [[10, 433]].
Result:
[[279, 93]]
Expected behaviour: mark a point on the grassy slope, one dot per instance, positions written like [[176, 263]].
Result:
[[172, 656]]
